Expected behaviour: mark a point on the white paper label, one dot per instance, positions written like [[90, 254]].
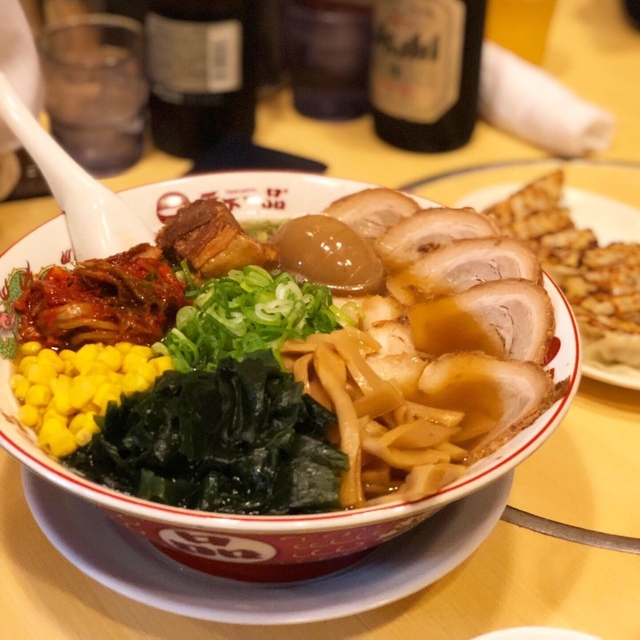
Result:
[[195, 57], [417, 57]]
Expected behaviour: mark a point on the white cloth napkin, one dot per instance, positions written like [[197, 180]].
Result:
[[19, 62], [520, 98]]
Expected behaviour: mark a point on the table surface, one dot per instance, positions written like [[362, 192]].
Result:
[[586, 476]]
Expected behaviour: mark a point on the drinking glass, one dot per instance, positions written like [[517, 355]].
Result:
[[521, 26], [96, 90]]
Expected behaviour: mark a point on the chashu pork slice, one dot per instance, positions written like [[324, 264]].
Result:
[[499, 398], [428, 229], [377, 309], [372, 211], [393, 336], [509, 319], [463, 264]]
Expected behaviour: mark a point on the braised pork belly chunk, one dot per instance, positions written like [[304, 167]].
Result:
[[206, 235]]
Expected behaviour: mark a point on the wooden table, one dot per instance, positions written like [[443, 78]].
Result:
[[585, 476]]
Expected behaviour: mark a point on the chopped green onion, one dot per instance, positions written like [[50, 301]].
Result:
[[248, 310]]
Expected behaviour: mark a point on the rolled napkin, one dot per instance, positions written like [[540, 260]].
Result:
[[19, 62], [520, 98]]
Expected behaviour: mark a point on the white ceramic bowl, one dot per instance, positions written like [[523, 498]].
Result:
[[259, 548]]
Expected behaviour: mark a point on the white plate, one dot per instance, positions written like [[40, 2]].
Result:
[[610, 220], [132, 567], [603, 195]]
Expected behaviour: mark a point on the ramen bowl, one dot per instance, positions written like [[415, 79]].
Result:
[[257, 548]]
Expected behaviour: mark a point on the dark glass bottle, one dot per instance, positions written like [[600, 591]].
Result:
[[201, 64], [425, 72]]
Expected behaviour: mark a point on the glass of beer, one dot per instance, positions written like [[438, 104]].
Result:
[[520, 26]]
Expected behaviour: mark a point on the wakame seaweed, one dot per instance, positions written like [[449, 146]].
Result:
[[244, 439]]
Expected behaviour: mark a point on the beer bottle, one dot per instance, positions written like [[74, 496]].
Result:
[[425, 72]]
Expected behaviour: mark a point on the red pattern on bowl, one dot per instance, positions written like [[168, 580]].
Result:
[[265, 557]]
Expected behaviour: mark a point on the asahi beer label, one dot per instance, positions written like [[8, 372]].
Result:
[[194, 57], [417, 57]]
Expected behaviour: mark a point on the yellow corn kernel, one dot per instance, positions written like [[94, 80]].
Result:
[[114, 377], [64, 444], [28, 415], [133, 382], [148, 372], [111, 357], [50, 426], [38, 395], [77, 422], [90, 424], [15, 379], [106, 393], [86, 353], [98, 381], [61, 382], [162, 364], [50, 357], [69, 368], [22, 388], [82, 437], [67, 355], [51, 414], [25, 363], [30, 348], [84, 422], [55, 438], [82, 391], [132, 361], [41, 373], [61, 402], [90, 407], [94, 368], [123, 347], [142, 350]]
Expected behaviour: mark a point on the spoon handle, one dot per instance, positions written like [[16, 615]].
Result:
[[100, 224]]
